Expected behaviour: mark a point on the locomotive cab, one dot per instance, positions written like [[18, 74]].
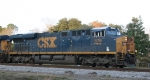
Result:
[[124, 50]]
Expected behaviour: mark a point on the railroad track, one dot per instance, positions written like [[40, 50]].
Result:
[[79, 67]]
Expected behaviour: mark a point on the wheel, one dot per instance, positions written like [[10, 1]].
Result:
[[83, 62], [106, 65], [31, 61], [40, 64], [94, 64], [121, 66], [12, 60]]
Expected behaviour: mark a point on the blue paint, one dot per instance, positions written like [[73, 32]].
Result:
[[80, 42]]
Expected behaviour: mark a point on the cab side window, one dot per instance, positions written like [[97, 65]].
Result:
[[103, 32], [99, 33]]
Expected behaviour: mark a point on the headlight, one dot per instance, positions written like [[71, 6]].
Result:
[[126, 38]]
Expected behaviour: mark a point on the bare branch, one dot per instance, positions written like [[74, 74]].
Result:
[[35, 30], [49, 24]]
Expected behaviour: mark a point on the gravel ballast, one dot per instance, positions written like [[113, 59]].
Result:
[[84, 72]]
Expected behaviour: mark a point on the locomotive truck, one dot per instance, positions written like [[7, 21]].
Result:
[[104, 46]]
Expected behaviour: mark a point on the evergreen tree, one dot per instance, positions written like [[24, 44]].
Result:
[[136, 29]]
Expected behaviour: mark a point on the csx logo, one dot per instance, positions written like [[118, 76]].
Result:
[[47, 42]]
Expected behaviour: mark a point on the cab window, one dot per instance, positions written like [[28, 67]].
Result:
[[112, 32], [99, 33]]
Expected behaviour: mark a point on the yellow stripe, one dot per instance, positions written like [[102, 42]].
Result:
[[63, 53], [132, 53]]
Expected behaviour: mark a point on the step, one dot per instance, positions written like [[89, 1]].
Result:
[[121, 59]]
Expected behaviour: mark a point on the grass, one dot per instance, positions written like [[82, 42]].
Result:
[[8, 75]]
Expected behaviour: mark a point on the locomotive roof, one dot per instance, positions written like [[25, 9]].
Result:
[[30, 35], [4, 37], [101, 28]]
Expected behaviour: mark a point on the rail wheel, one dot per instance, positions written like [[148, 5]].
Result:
[[12, 60], [129, 60], [40, 64], [107, 65], [94, 65], [121, 66], [83, 62], [31, 61]]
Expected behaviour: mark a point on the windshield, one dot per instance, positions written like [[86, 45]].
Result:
[[113, 32]]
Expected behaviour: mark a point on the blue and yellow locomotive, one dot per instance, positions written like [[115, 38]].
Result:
[[104, 46]]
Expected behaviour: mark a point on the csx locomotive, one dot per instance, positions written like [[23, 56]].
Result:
[[104, 46]]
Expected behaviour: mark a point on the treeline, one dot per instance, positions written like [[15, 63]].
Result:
[[74, 24]]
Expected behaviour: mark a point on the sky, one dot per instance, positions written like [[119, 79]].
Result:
[[30, 14]]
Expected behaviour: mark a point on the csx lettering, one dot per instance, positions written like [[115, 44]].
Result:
[[47, 42]]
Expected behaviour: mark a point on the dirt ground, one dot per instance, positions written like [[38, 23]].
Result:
[[9, 75]]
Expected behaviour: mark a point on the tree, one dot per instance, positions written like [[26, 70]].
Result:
[[1, 28], [11, 28], [4, 31], [50, 28], [97, 24], [49, 24], [35, 30], [136, 29], [116, 26], [62, 25], [65, 24], [74, 23], [85, 26]]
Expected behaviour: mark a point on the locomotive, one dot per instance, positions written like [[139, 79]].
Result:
[[103, 46]]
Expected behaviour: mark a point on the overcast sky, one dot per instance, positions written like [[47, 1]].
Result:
[[29, 14]]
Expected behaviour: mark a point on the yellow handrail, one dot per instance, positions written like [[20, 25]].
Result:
[[118, 47]]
